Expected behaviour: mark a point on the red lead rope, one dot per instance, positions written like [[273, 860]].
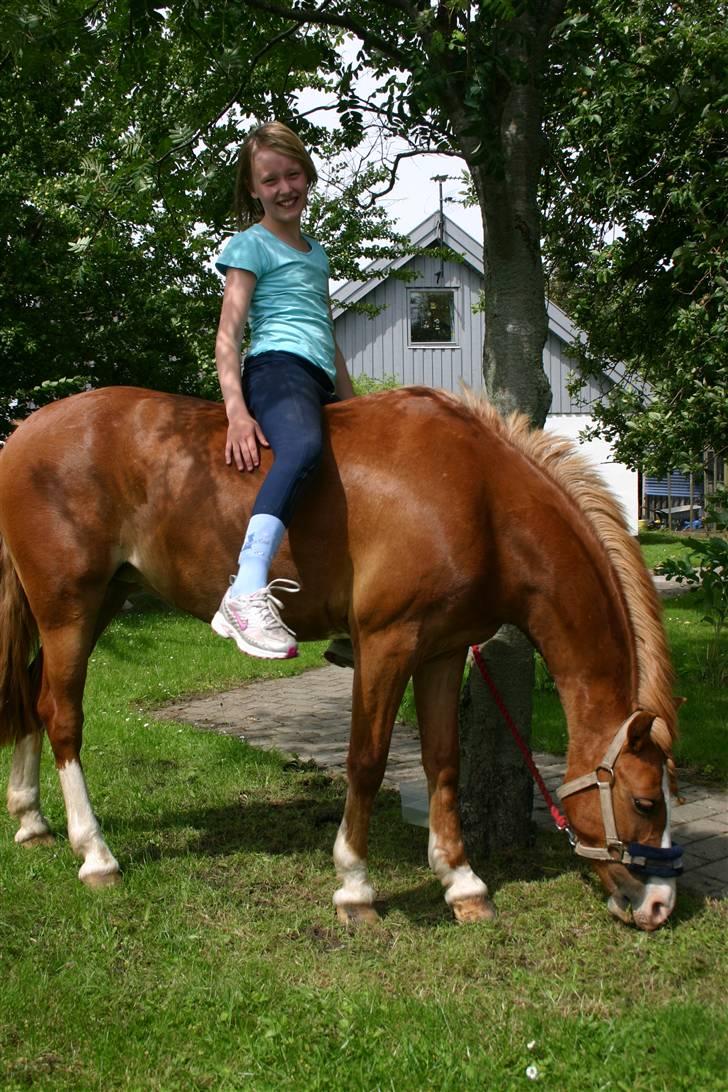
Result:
[[560, 820]]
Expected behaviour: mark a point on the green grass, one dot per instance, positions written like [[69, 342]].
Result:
[[218, 964], [185, 660], [658, 545]]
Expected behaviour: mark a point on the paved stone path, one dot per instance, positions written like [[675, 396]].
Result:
[[308, 715]]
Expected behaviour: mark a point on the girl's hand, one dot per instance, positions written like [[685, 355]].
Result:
[[241, 447]]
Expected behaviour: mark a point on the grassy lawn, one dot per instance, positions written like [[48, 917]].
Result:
[[658, 545], [218, 964]]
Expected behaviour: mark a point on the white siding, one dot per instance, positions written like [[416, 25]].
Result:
[[558, 364], [379, 347]]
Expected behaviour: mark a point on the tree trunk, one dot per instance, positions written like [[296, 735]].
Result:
[[495, 797], [514, 300], [496, 789]]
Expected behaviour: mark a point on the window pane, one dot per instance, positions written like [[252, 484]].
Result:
[[431, 316]]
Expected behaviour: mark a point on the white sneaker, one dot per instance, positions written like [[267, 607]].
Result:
[[254, 622]]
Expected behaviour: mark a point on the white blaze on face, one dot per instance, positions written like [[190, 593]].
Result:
[[658, 900], [666, 842]]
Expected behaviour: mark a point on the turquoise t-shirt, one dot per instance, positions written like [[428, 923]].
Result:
[[290, 305]]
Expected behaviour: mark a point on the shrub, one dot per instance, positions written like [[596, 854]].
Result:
[[364, 384]]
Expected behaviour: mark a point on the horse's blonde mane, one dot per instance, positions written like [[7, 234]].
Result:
[[571, 472]]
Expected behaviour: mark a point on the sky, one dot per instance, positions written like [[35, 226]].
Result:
[[416, 196]]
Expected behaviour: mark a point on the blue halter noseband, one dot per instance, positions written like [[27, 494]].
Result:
[[664, 862]]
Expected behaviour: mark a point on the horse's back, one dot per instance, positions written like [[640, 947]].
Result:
[[103, 422], [120, 425], [126, 479], [111, 478]]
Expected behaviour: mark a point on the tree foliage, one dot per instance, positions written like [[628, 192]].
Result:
[[98, 287], [636, 192], [119, 127], [120, 122]]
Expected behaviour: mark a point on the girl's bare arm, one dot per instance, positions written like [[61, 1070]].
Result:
[[244, 434], [343, 383]]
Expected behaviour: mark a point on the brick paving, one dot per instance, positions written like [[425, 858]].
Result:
[[308, 716]]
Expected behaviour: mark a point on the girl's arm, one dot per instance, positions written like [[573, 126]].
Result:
[[343, 384], [244, 433]]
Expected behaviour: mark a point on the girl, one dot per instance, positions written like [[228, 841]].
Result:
[[277, 278]]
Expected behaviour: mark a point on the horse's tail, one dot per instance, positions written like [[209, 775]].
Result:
[[18, 643]]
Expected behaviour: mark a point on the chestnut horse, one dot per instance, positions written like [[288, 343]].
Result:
[[430, 523]]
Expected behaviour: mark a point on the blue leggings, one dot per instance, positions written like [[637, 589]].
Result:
[[285, 394]]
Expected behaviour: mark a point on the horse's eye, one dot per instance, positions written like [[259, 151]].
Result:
[[643, 804]]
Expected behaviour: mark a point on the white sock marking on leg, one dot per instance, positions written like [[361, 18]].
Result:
[[84, 832], [460, 882], [352, 871], [24, 788]]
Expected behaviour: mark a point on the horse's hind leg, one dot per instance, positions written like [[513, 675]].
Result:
[[23, 797], [436, 688], [24, 792], [380, 677], [24, 782], [65, 658]]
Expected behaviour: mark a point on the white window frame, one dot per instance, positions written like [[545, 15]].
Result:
[[454, 344]]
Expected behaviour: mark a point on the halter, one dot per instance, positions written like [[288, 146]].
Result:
[[665, 861]]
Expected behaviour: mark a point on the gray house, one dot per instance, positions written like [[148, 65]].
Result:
[[429, 330]]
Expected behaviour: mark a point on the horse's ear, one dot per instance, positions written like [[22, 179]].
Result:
[[639, 730]]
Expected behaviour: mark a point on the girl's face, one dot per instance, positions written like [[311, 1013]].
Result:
[[281, 186]]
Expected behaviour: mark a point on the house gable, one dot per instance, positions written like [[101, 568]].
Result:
[[382, 346]]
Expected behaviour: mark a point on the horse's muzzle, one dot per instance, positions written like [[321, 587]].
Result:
[[647, 903]]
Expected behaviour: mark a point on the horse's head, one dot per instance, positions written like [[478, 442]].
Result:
[[619, 815]]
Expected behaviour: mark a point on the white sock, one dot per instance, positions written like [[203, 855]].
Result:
[[262, 539]]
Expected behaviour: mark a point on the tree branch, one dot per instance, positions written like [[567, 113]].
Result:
[[395, 165], [412, 10], [318, 17], [231, 102], [49, 32]]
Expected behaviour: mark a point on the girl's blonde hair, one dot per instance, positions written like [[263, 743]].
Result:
[[278, 137]]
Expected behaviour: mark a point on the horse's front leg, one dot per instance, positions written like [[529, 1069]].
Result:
[[437, 688], [60, 708], [24, 792], [380, 677]]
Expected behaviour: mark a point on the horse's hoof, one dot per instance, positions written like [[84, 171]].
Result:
[[98, 880], [353, 914], [47, 839], [476, 908]]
